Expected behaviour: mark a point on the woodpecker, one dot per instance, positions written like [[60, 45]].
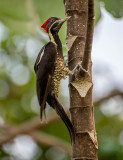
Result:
[[50, 69]]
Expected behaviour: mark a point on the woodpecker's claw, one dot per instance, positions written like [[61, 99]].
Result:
[[78, 67], [66, 61]]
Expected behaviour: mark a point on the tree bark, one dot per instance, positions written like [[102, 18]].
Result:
[[79, 42]]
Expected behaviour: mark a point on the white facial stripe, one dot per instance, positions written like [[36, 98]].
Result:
[[50, 34], [52, 38]]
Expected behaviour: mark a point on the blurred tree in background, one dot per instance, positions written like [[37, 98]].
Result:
[[22, 136]]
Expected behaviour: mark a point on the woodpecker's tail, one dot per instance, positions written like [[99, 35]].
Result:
[[54, 103]]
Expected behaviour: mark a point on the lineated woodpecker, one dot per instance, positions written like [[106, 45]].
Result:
[[50, 69]]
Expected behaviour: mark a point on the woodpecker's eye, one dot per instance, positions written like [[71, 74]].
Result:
[[52, 20]]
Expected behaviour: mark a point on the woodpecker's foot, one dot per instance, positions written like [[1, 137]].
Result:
[[66, 62], [78, 67]]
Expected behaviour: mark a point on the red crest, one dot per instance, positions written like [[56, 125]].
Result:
[[44, 26]]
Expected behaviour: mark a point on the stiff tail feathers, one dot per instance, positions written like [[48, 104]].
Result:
[[60, 111], [42, 111]]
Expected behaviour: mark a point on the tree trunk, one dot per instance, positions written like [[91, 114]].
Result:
[[79, 42]]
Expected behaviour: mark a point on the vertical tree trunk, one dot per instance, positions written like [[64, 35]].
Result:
[[79, 42]]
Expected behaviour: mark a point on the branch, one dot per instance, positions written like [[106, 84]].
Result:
[[89, 36], [26, 127], [39, 137], [113, 94], [35, 123], [51, 141]]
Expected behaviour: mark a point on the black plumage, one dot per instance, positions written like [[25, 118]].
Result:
[[44, 69], [50, 69]]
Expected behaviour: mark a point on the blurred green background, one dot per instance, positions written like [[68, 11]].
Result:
[[20, 41]]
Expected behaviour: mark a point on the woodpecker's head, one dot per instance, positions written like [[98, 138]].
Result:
[[53, 24]]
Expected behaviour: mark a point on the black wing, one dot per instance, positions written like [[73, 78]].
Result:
[[44, 68], [38, 58]]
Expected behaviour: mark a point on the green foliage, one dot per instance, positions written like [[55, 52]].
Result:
[[20, 42], [115, 7], [97, 11], [108, 133], [25, 15]]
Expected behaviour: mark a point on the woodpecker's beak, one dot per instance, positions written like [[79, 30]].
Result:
[[60, 22]]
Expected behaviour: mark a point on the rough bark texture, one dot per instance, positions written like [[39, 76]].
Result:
[[79, 42]]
